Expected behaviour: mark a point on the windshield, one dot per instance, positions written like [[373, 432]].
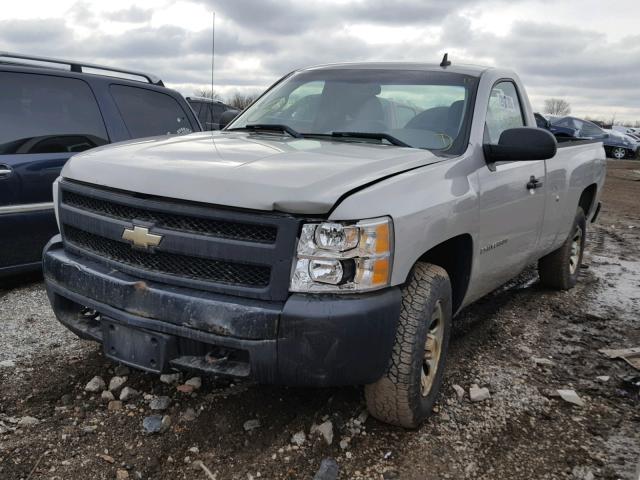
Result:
[[417, 108]]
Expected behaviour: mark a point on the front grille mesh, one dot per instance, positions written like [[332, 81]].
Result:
[[196, 268], [248, 232]]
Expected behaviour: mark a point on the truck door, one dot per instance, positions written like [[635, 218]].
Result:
[[45, 119], [512, 199]]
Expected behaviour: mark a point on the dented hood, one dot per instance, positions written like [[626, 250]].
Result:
[[247, 170]]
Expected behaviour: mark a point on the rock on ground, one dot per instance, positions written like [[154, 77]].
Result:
[[160, 403], [170, 378], [107, 396], [156, 423], [477, 394], [571, 396], [128, 393], [116, 383], [459, 392], [298, 438], [329, 470], [325, 430], [95, 385], [195, 382]]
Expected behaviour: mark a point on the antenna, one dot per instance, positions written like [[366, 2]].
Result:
[[445, 61], [213, 48]]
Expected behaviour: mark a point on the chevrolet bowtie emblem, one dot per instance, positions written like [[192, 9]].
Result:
[[140, 237]]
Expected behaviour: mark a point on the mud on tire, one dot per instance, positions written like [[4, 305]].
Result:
[[560, 268], [400, 397]]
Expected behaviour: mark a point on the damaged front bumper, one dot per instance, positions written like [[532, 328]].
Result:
[[314, 340]]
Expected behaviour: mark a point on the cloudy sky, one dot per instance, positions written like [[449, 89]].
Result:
[[585, 51]]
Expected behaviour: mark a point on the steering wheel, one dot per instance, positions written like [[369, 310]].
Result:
[[446, 140]]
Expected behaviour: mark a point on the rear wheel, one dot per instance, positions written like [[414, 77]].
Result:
[[619, 153], [406, 393], [560, 268]]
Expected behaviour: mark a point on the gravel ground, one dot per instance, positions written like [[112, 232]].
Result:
[[521, 342]]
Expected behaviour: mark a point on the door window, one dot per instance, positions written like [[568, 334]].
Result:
[[504, 111], [48, 114], [148, 113]]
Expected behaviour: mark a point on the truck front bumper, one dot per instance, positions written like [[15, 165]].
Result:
[[313, 340]]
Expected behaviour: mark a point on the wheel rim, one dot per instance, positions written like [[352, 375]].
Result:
[[619, 153], [576, 244], [432, 349]]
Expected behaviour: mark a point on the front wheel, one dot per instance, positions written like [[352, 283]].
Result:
[[560, 268], [405, 394], [619, 153]]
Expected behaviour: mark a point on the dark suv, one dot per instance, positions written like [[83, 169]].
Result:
[[51, 109], [209, 111]]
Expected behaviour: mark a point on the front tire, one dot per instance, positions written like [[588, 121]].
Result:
[[560, 268], [405, 394]]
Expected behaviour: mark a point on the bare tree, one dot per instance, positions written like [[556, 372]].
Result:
[[557, 106], [207, 93], [241, 101]]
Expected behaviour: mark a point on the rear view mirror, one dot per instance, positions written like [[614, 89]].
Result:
[[227, 117], [522, 144]]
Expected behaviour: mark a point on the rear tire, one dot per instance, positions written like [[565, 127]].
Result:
[[405, 394], [560, 268], [619, 153]]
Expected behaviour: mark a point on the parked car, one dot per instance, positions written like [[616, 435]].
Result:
[[209, 111], [541, 121], [615, 146], [627, 130], [328, 248], [626, 138], [47, 115]]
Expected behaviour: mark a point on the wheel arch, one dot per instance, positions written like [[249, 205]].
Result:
[[587, 199], [455, 255]]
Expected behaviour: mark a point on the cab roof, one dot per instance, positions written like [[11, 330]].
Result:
[[471, 70]]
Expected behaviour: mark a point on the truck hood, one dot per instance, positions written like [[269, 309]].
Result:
[[247, 170]]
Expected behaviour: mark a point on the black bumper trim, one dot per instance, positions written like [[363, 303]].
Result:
[[313, 340]]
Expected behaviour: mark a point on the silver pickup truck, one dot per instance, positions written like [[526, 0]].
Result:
[[328, 235]]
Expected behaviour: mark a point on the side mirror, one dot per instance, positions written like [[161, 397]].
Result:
[[522, 144], [227, 117]]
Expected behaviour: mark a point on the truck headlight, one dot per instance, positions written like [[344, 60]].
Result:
[[344, 256]]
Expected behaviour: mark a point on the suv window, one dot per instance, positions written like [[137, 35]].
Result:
[[48, 114], [147, 113], [503, 112]]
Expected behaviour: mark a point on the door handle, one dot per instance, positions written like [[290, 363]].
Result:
[[5, 171], [533, 183]]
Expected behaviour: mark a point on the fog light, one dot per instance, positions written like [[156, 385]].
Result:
[[326, 271]]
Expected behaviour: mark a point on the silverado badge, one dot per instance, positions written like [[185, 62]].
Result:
[[140, 237]]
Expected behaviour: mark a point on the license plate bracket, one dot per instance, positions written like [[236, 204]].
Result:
[[139, 348]]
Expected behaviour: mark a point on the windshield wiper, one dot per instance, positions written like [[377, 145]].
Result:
[[270, 127], [375, 136]]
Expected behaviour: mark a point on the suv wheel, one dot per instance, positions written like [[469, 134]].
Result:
[[406, 393], [560, 268]]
